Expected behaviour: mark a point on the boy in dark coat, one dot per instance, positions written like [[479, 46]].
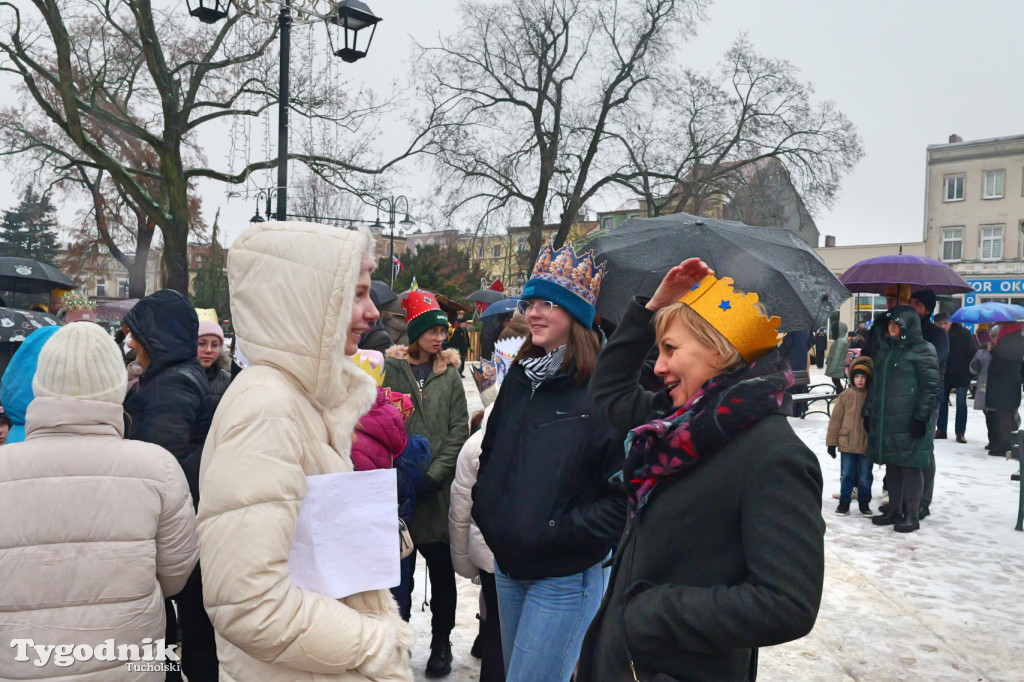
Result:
[[900, 415]]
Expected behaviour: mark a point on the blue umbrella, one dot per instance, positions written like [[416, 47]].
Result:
[[507, 306], [990, 313]]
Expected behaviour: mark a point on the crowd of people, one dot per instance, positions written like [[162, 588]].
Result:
[[901, 374], [616, 532]]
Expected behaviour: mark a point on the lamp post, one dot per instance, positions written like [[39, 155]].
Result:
[[390, 204], [350, 15]]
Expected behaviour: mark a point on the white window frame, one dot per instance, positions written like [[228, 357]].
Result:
[[996, 194], [122, 285], [521, 245], [982, 239], [101, 283], [608, 223], [496, 251], [945, 187], [480, 251], [949, 236]]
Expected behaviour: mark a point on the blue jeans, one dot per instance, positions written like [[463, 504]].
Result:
[[961, 410], [855, 468], [543, 622]]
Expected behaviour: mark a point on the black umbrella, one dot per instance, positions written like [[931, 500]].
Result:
[[381, 293], [791, 280], [486, 296], [15, 325], [25, 276]]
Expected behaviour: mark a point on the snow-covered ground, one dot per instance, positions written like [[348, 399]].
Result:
[[944, 603]]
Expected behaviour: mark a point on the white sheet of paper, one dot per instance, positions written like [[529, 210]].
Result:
[[346, 539]]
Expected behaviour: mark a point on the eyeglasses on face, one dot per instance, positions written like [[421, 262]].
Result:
[[539, 306]]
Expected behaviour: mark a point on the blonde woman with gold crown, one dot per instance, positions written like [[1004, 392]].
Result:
[[723, 549]]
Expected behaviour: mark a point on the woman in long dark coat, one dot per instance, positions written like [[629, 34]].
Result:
[[1003, 392], [723, 549]]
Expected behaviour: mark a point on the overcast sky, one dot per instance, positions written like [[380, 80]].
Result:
[[907, 73]]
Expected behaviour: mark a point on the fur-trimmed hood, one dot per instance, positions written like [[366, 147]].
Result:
[[448, 357]]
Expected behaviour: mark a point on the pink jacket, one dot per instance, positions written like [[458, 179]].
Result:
[[380, 436]]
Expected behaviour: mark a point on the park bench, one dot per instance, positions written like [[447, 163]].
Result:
[[813, 394]]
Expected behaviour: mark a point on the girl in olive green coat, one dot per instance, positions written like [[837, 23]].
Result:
[[431, 377]]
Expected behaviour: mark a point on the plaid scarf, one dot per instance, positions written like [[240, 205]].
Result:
[[724, 406]]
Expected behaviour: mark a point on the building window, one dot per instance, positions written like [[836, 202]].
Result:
[[954, 188], [993, 186], [480, 251], [521, 245], [608, 223], [101, 287], [952, 243], [991, 242], [122, 288], [496, 251]]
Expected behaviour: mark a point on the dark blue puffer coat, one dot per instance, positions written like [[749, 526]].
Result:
[[170, 406]]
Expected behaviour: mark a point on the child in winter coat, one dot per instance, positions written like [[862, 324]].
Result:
[[847, 433]]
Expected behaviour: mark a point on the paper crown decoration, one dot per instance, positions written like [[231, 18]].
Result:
[[736, 316], [486, 374], [364, 364], [579, 274], [506, 351], [79, 307], [207, 315]]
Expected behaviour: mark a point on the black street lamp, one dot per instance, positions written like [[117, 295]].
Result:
[[351, 15], [390, 204], [209, 11]]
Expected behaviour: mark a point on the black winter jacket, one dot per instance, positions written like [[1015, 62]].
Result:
[[937, 336], [543, 500], [170, 405], [1002, 392], [219, 379], [962, 348], [718, 562]]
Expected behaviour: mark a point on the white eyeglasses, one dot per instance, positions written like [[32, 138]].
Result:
[[541, 307]]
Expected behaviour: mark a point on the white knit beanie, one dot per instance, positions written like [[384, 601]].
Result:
[[81, 361]]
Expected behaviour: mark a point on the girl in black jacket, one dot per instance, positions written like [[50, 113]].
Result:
[[543, 499], [723, 551], [170, 406]]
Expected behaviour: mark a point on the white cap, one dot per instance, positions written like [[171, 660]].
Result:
[[81, 361]]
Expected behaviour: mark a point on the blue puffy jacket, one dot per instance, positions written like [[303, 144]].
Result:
[[16, 387]]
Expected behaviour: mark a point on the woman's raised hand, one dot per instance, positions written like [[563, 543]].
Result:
[[677, 282]]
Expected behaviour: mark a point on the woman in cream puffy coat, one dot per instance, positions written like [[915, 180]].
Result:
[[299, 298]]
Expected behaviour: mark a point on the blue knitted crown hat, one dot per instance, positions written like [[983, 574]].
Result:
[[570, 280]]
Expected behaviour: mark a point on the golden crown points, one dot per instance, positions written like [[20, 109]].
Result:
[[735, 315], [364, 364]]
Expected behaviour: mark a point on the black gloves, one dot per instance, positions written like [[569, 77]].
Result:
[[832, 451], [867, 424], [426, 487], [918, 428]]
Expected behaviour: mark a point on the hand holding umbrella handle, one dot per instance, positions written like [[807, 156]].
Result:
[[677, 282]]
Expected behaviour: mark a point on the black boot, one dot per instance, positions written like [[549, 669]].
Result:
[[923, 512], [440, 662], [908, 525], [888, 518]]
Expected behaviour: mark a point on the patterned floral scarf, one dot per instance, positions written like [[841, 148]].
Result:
[[724, 406]]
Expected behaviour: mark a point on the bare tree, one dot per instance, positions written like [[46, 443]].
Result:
[[707, 143], [100, 77], [550, 103]]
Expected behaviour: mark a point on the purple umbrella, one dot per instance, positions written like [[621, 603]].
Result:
[[875, 275]]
